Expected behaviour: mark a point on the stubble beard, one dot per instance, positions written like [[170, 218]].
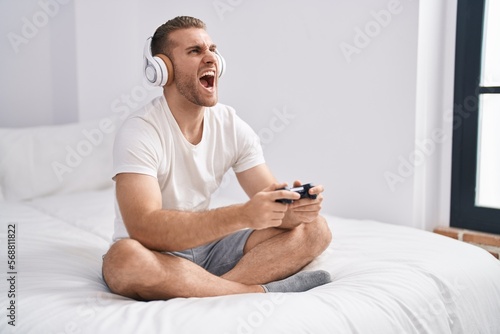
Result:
[[190, 89]]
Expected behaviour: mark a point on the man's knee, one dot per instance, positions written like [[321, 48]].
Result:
[[317, 234], [122, 265]]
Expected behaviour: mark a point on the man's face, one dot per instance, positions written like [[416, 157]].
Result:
[[195, 66]]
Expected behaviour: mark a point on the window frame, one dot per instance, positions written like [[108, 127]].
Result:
[[468, 58]]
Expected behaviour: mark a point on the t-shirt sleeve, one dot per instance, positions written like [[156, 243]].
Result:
[[250, 152], [136, 148]]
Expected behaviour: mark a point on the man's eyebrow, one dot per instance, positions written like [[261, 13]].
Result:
[[199, 47]]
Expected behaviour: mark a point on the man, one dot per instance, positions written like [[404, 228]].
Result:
[[169, 158]]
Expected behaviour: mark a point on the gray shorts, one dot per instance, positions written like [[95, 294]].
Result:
[[220, 256]]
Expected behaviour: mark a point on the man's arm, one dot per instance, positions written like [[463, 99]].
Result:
[[140, 202], [255, 179]]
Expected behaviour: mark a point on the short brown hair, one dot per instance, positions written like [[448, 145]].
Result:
[[160, 42]]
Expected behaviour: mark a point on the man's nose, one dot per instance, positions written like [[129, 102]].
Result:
[[210, 57]]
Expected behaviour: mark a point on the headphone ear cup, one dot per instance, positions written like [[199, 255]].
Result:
[[166, 69], [158, 70], [152, 68], [153, 71], [221, 64]]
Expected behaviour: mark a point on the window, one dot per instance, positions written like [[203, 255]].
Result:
[[475, 193]]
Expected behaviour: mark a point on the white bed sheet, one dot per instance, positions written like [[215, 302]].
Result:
[[386, 279]]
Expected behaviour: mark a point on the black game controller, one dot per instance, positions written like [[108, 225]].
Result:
[[302, 190]]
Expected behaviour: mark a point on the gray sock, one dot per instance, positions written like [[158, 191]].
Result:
[[299, 282]]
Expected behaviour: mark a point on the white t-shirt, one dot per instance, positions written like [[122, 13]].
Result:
[[150, 142]]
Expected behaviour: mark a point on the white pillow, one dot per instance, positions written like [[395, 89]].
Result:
[[48, 160]]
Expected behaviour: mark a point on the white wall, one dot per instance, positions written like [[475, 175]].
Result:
[[351, 119], [345, 121], [37, 52]]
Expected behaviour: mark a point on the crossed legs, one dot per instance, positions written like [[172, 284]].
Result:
[[272, 254]]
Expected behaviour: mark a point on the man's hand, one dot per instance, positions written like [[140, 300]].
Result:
[[304, 210], [262, 211]]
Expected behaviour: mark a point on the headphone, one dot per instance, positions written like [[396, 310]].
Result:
[[159, 70]]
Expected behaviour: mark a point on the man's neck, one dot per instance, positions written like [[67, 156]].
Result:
[[188, 116]]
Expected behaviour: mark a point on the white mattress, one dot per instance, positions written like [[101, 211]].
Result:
[[386, 279]]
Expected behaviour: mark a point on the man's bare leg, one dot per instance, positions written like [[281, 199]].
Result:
[[274, 254], [133, 271]]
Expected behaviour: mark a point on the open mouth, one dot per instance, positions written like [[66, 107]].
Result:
[[207, 79]]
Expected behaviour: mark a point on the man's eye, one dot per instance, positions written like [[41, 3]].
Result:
[[194, 51]]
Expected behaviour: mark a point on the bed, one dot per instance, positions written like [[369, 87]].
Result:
[[386, 278]]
